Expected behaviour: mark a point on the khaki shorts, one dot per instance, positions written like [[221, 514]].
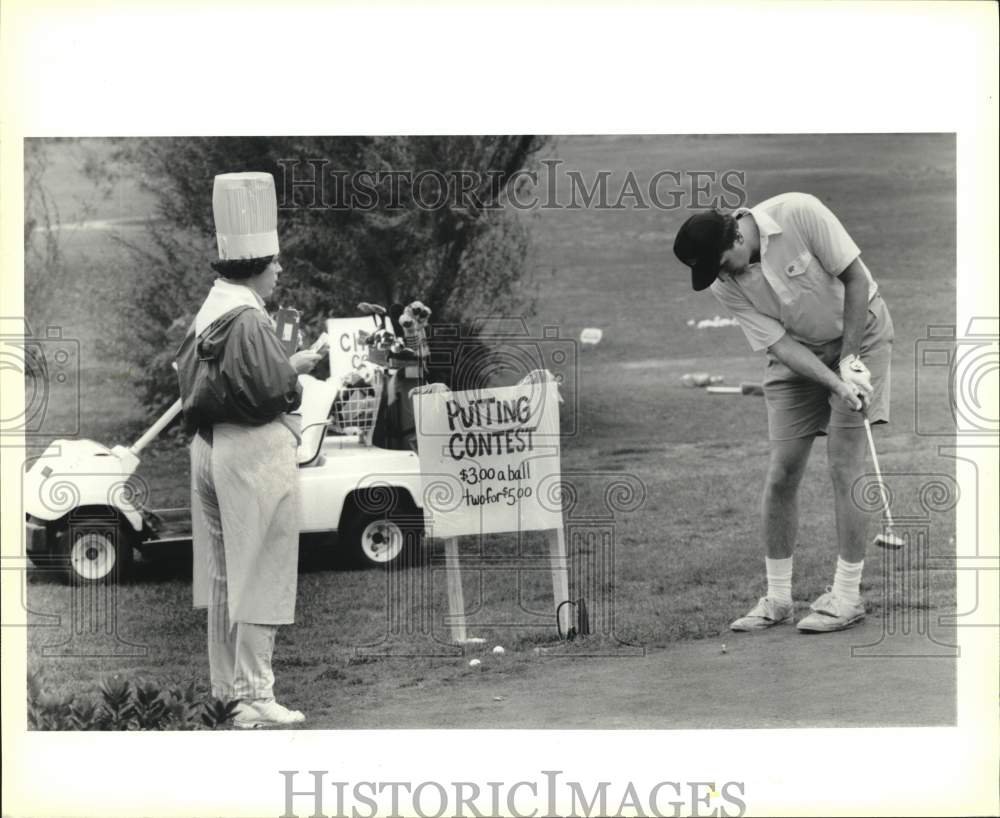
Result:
[[798, 407]]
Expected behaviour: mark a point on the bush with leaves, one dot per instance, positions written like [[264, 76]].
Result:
[[462, 260], [124, 705]]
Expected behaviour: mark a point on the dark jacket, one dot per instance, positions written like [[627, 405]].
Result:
[[235, 372]]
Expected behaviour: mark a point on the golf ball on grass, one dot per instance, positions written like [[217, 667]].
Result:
[[498, 650], [474, 663]]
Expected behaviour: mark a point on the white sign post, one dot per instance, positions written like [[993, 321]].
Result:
[[489, 462]]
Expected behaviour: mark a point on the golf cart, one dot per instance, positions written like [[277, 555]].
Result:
[[84, 517]]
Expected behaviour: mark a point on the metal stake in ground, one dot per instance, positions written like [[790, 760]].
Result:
[[887, 538]]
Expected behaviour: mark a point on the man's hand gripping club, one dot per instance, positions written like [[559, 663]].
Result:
[[858, 380]]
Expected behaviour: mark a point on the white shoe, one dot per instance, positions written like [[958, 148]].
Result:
[[266, 713], [765, 614], [831, 613], [273, 713], [246, 716]]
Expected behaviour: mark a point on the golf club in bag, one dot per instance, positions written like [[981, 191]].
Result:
[[376, 311]]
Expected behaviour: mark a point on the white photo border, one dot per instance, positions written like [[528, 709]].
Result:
[[183, 68]]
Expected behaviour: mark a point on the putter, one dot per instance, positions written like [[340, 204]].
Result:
[[887, 539]]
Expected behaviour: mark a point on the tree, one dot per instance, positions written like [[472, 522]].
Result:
[[46, 279], [380, 219]]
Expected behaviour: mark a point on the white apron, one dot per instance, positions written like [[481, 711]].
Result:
[[252, 478]]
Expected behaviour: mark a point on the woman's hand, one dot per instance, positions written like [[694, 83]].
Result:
[[304, 360]]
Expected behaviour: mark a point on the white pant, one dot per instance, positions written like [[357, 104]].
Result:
[[239, 654]]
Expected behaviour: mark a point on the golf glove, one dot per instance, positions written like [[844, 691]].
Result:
[[854, 373]]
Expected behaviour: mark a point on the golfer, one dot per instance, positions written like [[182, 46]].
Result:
[[794, 280], [243, 464]]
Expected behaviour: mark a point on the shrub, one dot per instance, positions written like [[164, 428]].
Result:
[[125, 705]]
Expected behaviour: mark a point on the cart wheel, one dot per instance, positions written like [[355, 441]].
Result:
[[90, 554], [380, 539]]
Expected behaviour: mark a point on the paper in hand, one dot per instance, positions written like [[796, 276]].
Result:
[[321, 344]]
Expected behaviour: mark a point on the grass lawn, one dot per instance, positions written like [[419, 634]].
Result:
[[685, 555]]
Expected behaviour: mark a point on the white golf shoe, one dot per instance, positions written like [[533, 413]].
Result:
[[765, 614], [266, 713], [246, 716], [831, 613]]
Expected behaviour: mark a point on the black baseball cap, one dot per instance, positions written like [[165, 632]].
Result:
[[700, 244]]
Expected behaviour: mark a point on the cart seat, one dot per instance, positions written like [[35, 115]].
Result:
[[317, 398]]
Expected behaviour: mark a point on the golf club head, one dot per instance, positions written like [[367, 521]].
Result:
[[889, 540], [377, 312]]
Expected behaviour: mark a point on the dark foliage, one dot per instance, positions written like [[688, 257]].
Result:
[[464, 258], [124, 705]]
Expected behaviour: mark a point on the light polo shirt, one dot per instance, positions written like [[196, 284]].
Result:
[[794, 288]]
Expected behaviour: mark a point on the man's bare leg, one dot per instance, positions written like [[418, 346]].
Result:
[[846, 451], [842, 607], [780, 514], [780, 506]]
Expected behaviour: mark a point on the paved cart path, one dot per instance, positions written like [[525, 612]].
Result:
[[779, 678]]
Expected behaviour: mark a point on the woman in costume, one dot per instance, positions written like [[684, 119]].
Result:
[[243, 455]]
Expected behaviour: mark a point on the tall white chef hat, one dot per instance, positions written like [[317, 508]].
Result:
[[246, 215]]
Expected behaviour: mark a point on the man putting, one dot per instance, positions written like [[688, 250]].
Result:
[[794, 280]]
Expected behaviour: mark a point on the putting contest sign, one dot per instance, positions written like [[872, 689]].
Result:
[[489, 458]]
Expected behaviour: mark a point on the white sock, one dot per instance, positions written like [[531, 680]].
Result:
[[779, 579], [847, 581]]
